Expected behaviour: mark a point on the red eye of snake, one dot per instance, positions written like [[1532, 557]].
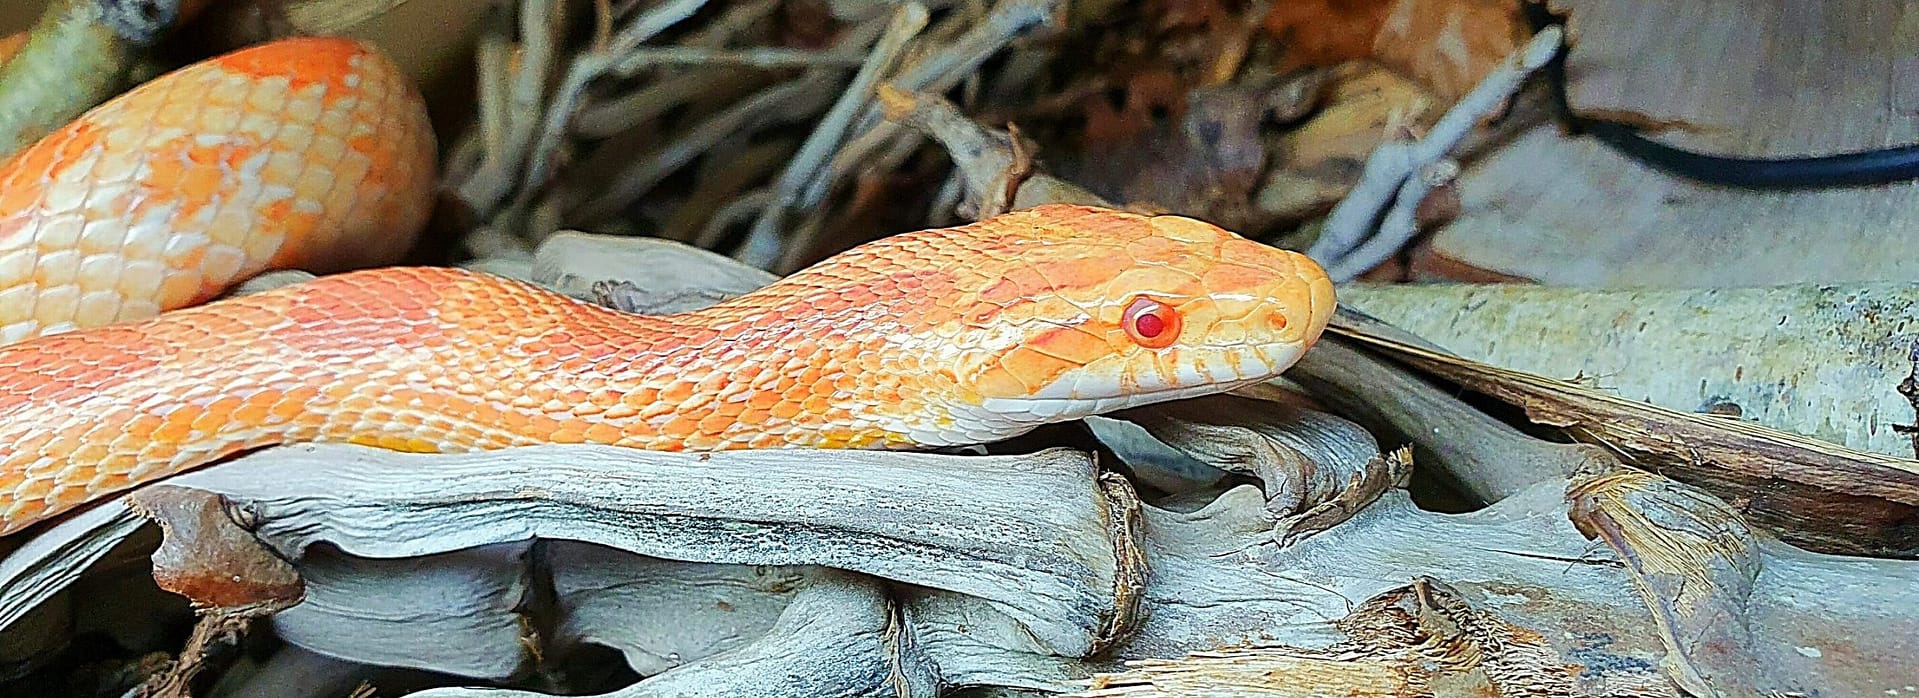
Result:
[[1150, 323]]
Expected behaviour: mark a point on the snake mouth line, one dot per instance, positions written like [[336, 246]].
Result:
[[1055, 409]]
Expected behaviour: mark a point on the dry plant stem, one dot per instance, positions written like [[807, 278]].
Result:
[[739, 18], [1389, 176], [780, 102], [936, 72], [584, 69], [614, 115], [540, 22], [722, 180], [645, 58], [219, 627], [982, 157], [742, 209], [617, 115], [494, 88], [762, 245], [1484, 456], [334, 16], [939, 70], [788, 101]]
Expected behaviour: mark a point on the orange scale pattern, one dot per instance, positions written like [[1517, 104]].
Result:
[[877, 347], [313, 153]]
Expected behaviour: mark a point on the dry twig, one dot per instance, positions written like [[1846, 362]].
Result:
[[1344, 246], [761, 247]]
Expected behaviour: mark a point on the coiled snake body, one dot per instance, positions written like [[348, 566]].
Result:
[[939, 337]]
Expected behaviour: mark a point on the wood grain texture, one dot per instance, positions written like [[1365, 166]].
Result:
[[1758, 78]]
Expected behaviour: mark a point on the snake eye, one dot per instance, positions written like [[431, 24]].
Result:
[[1150, 323]]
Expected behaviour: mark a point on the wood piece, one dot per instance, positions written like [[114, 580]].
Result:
[[1480, 455], [836, 638], [209, 557], [1758, 78], [1822, 361], [1046, 560], [662, 614], [1316, 468], [50, 560], [680, 277], [1812, 493], [457, 612]]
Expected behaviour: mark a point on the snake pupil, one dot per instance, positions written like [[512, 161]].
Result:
[[1149, 325]]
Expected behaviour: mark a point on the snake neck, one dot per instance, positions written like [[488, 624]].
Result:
[[780, 370]]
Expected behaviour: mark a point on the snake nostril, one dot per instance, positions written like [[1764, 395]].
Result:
[[1278, 320]]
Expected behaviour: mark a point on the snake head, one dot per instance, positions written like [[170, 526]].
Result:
[[1094, 310]]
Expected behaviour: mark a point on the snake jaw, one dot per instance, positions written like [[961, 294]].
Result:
[[1069, 345]]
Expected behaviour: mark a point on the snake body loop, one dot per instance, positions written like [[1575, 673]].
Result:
[[939, 337]]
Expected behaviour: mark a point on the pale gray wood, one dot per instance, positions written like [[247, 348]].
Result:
[[451, 612], [1757, 78], [664, 613], [1820, 360], [1024, 532]]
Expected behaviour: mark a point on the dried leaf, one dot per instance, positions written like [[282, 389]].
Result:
[[1146, 98], [1448, 46], [210, 558], [1325, 32], [1318, 162]]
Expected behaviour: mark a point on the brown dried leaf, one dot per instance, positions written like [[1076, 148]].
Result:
[[1207, 161], [1318, 162], [1449, 45], [1189, 14], [1144, 95], [1325, 32], [208, 557]]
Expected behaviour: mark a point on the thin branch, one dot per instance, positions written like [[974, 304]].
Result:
[[539, 25], [785, 102], [762, 245], [644, 58], [1388, 176], [935, 72]]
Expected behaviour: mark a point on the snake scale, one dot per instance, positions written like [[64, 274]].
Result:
[[119, 232]]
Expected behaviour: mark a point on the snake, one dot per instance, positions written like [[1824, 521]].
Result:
[[123, 363]]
